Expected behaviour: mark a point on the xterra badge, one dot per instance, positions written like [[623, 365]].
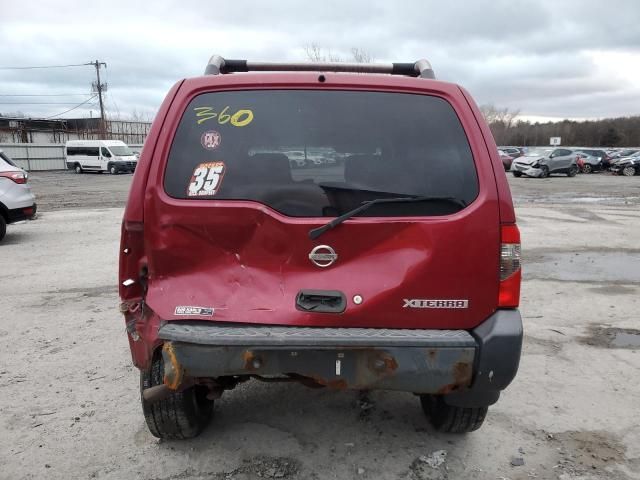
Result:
[[199, 311], [423, 303]]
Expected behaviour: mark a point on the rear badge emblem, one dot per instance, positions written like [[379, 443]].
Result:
[[429, 303], [323, 256]]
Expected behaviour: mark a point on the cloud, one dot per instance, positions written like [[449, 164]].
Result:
[[542, 57]]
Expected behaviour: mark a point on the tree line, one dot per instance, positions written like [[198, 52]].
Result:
[[507, 129]]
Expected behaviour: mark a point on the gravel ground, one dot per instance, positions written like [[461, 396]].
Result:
[[69, 395]]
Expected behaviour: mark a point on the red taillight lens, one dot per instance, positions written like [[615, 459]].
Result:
[[17, 177], [510, 269]]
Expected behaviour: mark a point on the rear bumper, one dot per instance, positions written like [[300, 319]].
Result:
[[21, 214], [469, 367]]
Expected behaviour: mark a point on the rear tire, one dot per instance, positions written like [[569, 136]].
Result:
[[449, 419], [517, 174], [78, 168], [181, 415], [573, 171], [3, 227]]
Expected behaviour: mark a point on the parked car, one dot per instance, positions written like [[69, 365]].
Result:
[[542, 162], [111, 156], [628, 166], [17, 202], [603, 159], [588, 163], [360, 277], [514, 152], [623, 154], [507, 160]]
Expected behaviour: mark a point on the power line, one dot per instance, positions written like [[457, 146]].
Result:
[[45, 66], [38, 103], [79, 105], [43, 94]]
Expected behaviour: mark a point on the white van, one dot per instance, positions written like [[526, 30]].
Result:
[[111, 156]]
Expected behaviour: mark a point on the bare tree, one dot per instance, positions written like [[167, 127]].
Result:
[[361, 56], [493, 115], [316, 53]]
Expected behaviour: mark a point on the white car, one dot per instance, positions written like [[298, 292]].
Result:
[[17, 202]]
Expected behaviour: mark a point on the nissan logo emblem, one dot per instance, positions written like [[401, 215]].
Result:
[[323, 256]]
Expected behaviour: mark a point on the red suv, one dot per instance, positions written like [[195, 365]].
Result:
[[388, 259]]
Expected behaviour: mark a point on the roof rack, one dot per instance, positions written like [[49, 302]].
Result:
[[218, 65]]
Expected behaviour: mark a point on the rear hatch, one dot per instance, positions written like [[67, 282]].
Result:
[[227, 222]]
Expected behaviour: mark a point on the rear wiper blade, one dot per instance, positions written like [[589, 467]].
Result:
[[316, 232]]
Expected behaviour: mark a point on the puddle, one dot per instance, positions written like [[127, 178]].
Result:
[[610, 337], [626, 340], [601, 267]]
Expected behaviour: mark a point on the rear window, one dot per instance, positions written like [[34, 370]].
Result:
[[310, 153]]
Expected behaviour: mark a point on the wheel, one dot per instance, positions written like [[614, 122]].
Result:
[[113, 170], [78, 168], [181, 415], [450, 419], [544, 171], [573, 170], [3, 227], [587, 168], [628, 171], [517, 174]]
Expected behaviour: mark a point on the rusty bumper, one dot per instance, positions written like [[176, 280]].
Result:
[[445, 362]]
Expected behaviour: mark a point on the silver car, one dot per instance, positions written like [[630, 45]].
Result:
[[543, 161], [17, 202]]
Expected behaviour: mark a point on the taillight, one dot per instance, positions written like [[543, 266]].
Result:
[[510, 270], [17, 177]]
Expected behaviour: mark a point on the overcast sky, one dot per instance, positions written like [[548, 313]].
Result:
[[546, 58]]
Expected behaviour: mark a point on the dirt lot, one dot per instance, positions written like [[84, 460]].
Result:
[[69, 395]]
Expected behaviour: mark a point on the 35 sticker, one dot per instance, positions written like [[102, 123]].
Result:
[[206, 179]]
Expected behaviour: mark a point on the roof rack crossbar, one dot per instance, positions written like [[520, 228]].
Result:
[[218, 65]]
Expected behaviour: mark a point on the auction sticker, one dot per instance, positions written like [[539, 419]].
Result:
[[206, 179], [211, 139], [189, 310]]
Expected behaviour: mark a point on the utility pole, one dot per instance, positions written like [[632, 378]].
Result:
[[100, 87]]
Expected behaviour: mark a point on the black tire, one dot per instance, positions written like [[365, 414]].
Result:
[[181, 415], [517, 174], [449, 419], [628, 171], [573, 171], [3, 227], [544, 171], [78, 168], [587, 168], [113, 170]]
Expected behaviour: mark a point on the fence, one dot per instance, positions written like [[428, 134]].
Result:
[[33, 156]]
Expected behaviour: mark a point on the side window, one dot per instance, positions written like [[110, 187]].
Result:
[[105, 153], [92, 151]]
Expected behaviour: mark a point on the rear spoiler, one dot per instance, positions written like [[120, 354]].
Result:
[[219, 66]]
